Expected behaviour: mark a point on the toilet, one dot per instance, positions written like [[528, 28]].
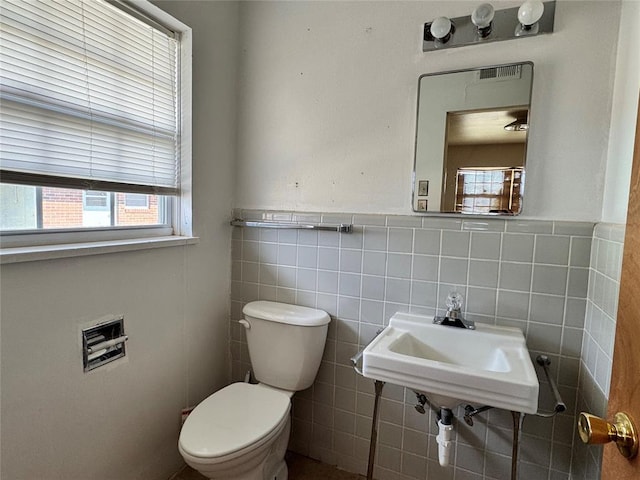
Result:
[[241, 432]]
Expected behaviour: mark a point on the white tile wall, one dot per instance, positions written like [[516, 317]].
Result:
[[598, 338], [528, 274]]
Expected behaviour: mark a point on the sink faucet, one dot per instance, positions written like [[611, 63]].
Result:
[[453, 317]]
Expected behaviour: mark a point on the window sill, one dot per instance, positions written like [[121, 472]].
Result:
[[68, 250]]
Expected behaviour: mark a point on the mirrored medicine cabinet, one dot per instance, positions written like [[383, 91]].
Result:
[[471, 140]]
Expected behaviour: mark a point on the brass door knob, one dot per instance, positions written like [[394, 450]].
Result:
[[595, 430]]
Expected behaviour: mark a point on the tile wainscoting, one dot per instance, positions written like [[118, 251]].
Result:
[[530, 274], [598, 339]]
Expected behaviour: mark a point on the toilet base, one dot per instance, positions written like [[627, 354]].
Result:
[[281, 473], [275, 468]]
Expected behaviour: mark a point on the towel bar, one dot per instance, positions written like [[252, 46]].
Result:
[[342, 228]]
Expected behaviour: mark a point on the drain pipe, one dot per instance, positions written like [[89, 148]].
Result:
[[443, 438]]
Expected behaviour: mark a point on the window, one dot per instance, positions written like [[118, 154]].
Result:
[[99, 201], [488, 190], [92, 93], [136, 200]]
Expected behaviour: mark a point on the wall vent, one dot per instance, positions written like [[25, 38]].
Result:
[[508, 72]]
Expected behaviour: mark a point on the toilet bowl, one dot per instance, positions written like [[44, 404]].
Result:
[[241, 432], [238, 433]]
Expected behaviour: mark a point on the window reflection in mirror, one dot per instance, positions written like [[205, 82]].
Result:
[[471, 140], [488, 190], [483, 161]]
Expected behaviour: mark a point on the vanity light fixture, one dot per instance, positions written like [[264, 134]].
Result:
[[529, 13], [482, 18], [485, 24], [442, 29]]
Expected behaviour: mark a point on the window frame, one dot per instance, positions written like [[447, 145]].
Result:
[[179, 206]]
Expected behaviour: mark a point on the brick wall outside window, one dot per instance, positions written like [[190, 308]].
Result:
[[137, 216], [63, 208]]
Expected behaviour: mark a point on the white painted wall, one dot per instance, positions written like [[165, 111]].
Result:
[[122, 422], [328, 102], [624, 115]]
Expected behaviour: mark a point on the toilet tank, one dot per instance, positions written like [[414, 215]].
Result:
[[286, 343]]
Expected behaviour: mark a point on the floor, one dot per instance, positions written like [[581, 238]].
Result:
[[300, 468]]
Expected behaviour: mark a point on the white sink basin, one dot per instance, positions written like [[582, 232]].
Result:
[[486, 366]]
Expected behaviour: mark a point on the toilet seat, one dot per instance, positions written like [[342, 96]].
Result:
[[234, 421]]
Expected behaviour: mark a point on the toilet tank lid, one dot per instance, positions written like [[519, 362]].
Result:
[[286, 313]]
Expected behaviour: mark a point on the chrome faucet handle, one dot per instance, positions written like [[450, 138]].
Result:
[[454, 301], [454, 305], [453, 317]]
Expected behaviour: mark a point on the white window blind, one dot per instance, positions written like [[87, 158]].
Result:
[[88, 98]]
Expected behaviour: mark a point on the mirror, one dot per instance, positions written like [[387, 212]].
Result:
[[471, 140]]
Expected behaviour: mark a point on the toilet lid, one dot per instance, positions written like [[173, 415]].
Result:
[[232, 419]]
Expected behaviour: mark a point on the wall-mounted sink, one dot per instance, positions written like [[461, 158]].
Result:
[[486, 366]]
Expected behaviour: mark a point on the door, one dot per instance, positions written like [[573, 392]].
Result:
[[624, 393]]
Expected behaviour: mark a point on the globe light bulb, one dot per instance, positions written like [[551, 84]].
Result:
[[441, 28], [483, 15], [530, 12]]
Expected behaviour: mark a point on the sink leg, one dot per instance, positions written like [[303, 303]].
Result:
[[374, 429], [514, 450]]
